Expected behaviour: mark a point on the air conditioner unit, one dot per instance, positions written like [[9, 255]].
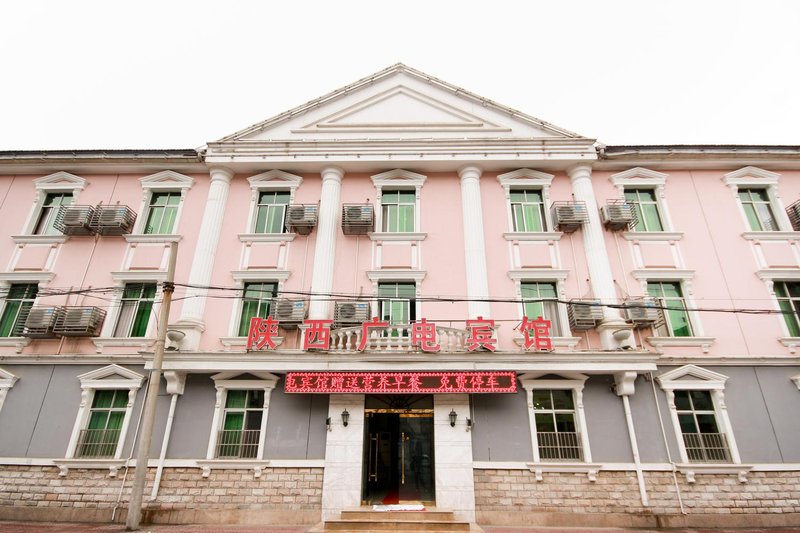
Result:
[[618, 215], [75, 220], [569, 216], [350, 313], [289, 313], [357, 219], [644, 312], [301, 219], [113, 220], [584, 314], [793, 211], [79, 322], [40, 322]]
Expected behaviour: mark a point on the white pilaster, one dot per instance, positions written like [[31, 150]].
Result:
[[474, 247], [191, 320], [325, 248], [455, 482], [341, 481], [614, 332]]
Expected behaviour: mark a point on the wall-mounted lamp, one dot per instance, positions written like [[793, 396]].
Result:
[[453, 416], [175, 337], [328, 423], [345, 417], [469, 424]]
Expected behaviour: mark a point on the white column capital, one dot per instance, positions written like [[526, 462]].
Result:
[[220, 174], [581, 170], [470, 172], [332, 173]]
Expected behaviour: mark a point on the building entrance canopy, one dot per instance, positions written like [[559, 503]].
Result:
[[401, 382]]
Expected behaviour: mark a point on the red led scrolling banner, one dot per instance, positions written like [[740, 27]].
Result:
[[401, 382]]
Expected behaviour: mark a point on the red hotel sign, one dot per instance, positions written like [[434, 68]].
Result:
[[401, 382]]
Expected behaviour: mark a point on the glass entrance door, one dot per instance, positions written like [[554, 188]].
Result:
[[399, 462]]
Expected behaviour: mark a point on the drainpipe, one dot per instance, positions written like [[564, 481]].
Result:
[[624, 387], [176, 382], [666, 445]]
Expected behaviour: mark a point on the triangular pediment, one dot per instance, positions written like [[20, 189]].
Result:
[[399, 103], [60, 180], [7, 379], [167, 179], [692, 377], [111, 376]]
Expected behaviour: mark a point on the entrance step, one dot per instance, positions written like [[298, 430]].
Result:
[[366, 520]]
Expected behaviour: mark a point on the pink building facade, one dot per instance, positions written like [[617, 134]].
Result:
[[662, 391]]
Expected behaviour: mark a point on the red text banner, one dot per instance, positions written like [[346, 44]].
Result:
[[401, 382]]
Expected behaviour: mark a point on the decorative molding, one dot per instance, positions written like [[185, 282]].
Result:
[[113, 465], [791, 343], [267, 237], [60, 181], [538, 274], [590, 469], [525, 177], [38, 277], [143, 343], [275, 179], [126, 276], [152, 238], [206, 466], [703, 342], [691, 469], [768, 274], [652, 235], [7, 380], [662, 274], [18, 343], [259, 275], [400, 236], [166, 180], [398, 178], [236, 342], [40, 239], [533, 236], [796, 380], [569, 342], [751, 176], [98, 379], [704, 379], [771, 235], [396, 275], [639, 176]]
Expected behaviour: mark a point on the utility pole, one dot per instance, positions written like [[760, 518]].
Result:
[[149, 414]]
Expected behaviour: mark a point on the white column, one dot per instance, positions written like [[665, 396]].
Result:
[[455, 481], [613, 328], [341, 480], [325, 247], [474, 248]]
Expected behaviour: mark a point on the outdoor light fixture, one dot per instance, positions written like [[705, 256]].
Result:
[[453, 416], [469, 424], [328, 423], [345, 417]]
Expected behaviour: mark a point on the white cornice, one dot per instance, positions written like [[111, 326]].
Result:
[[639, 176], [60, 181], [275, 179], [167, 180], [751, 175], [399, 177], [691, 377]]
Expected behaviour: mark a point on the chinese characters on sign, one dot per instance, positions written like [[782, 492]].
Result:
[[401, 382], [317, 334]]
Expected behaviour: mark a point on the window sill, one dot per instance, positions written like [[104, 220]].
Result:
[[266, 237], [703, 342], [400, 236], [539, 468], [533, 236], [538, 274], [158, 237], [256, 465], [18, 343], [790, 342], [29, 276], [396, 275], [241, 342], [40, 239], [113, 465], [691, 469], [143, 343], [652, 235], [771, 235], [260, 275], [569, 342]]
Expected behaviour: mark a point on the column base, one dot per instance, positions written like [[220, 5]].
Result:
[[191, 329], [616, 334]]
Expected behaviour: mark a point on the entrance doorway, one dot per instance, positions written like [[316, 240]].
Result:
[[398, 456]]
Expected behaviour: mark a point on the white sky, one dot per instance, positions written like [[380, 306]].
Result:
[[176, 74]]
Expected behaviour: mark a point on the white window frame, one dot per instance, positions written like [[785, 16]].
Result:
[[397, 276], [757, 178], [7, 380], [272, 180], [58, 183], [241, 278], [224, 382], [769, 277], [644, 178], [164, 181], [526, 178], [398, 180], [13, 278], [691, 377], [558, 278], [105, 378], [570, 381]]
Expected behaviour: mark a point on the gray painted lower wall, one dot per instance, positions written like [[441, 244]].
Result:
[[502, 428]]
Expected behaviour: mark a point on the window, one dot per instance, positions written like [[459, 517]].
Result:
[[19, 301], [646, 207], [49, 213], [757, 209], [398, 211], [556, 431], [7, 380], [788, 294], [101, 436], [271, 212], [669, 295], [162, 212], [397, 303], [135, 310], [701, 435], [241, 426], [527, 210], [256, 302], [540, 300]]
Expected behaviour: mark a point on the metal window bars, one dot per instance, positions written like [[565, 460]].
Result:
[[707, 447], [559, 446], [97, 443], [237, 443]]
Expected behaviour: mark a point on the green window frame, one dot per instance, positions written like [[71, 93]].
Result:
[[136, 306], [556, 429], [162, 213], [241, 423], [49, 213], [271, 212], [100, 438], [670, 296], [645, 204], [527, 210], [398, 211], [758, 210], [397, 303], [256, 302], [18, 301], [539, 299], [788, 294]]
